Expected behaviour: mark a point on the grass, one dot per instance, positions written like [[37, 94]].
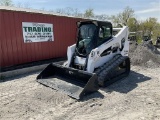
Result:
[[139, 41]]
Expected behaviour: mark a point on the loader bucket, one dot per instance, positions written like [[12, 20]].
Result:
[[73, 82]]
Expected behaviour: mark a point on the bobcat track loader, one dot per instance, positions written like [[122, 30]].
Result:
[[96, 60]]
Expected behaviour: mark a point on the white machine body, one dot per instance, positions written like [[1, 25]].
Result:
[[95, 60]]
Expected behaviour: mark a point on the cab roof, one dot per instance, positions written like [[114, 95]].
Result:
[[97, 23]]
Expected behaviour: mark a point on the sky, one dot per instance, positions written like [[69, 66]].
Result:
[[143, 8]]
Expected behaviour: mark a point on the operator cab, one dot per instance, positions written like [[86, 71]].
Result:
[[92, 34]]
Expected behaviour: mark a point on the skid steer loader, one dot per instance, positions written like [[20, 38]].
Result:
[[96, 60]]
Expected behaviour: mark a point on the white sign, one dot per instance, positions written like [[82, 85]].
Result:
[[37, 32]]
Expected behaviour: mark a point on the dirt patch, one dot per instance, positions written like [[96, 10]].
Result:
[[135, 97], [145, 55]]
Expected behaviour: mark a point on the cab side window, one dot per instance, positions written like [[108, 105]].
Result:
[[107, 32], [104, 34]]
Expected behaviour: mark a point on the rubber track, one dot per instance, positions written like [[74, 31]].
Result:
[[103, 71]]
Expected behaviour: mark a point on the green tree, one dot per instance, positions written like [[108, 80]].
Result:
[[89, 13], [150, 27], [123, 17], [156, 32], [6, 2], [133, 24]]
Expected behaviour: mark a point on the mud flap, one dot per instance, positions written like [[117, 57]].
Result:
[[73, 82]]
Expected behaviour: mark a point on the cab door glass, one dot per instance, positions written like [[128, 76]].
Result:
[[104, 34]]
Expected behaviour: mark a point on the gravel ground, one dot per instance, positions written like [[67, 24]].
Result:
[[145, 55], [136, 97]]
